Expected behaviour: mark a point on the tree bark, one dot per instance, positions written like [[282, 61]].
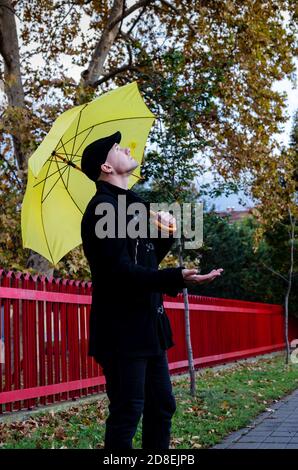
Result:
[[187, 331], [109, 34], [39, 264], [90, 78], [13, 88], [9, 49], [290, 277]]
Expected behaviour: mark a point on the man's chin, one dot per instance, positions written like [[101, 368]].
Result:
[[134, 165]]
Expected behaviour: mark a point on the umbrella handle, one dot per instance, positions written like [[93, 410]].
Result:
[[168, 228]]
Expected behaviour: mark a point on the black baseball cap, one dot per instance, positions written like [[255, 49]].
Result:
[[95, 154]]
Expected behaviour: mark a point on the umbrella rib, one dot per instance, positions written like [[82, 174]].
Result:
[[68, 178], [43, 199], [54, 159], [91, 129], [74, 142], [47, 172], [62, 153], [73, 145], [104, 122], [68, 162], [68, 190], [55, 183], [44, 232], [52, 174], [74, 154]]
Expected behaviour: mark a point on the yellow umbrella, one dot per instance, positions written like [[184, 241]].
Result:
[[57, 190]]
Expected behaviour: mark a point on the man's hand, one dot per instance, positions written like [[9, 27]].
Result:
[[192, 278], [165, 221]]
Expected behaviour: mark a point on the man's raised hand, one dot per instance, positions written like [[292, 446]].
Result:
[[192, 278]]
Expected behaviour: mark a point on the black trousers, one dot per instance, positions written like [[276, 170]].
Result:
[[138, 386]]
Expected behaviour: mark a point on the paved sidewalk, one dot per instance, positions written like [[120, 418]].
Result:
[[277, 428]]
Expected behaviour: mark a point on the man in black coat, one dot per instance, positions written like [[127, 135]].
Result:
[[129, 329]]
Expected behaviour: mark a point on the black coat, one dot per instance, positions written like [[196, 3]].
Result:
[[127, 314]]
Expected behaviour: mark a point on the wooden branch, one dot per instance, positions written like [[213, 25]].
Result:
[[115, 72], [68, 3], [130, 38], [275, 272], [10, 8], [172, 7], [90, 76], [137, 19], [292, 239], [103, 46], [13, 171], [129, 11]]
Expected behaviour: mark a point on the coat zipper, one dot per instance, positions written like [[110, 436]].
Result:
[[136, 250]]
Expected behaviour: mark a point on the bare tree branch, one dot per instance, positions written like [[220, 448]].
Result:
[[137, 19], [115, 72], [172, 7], [129, 11], [275, 272], [69, 3], [103, 46], [130, 38], [13, 171], [10, 8]]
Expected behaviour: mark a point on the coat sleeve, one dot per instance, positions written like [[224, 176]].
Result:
[[112, 253], [162, 246]]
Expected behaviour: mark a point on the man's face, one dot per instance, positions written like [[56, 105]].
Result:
[[120, 159]]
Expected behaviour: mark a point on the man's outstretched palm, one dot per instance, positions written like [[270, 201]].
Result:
[[192, 277]]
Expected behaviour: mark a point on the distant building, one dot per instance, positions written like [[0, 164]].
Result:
[[233, 215]]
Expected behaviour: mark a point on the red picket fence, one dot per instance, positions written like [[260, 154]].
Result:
[[44, 337]]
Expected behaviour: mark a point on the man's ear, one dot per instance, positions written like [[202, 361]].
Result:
[[106, 168]]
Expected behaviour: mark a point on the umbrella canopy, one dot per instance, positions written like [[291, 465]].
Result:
[[57, 191]]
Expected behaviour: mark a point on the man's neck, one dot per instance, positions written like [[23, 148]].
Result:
[[117, 180]]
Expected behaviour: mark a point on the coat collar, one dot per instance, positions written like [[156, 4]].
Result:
[[109, 188]]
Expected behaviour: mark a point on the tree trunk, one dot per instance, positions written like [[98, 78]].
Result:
[[39, 264], [9, 49], [287, 322], [292, 241], [109, 34], [13, 87], [187, 331]]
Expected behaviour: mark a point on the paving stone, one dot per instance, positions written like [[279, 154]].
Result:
[[244, 445], [288, 427], [278, 440], [260, 433], [265, 428], [272, 446], [251, 439], [278, 430], [220, 446]]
